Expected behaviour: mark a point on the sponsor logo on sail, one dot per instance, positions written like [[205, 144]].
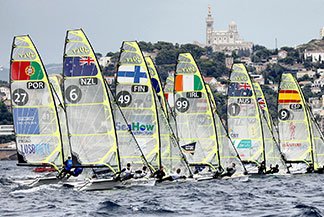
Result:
[[37, 149], [244, 144], [189, 148], [136, 128]]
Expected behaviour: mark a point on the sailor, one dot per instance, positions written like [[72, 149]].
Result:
[[127, 173], [76, 172], [159, 174], [310, 168], [261, 168], [141, 173], [218, 172], [174, 176], [229, 170], [275, 169], [66, 169]]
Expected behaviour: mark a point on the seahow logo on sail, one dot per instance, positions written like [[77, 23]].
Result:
[[136, 127]]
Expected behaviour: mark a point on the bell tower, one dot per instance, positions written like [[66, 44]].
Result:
[[209, 27]]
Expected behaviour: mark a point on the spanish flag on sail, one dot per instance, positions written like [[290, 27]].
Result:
[[188, 83], [289, 96]]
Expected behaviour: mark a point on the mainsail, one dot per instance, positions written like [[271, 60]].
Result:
[[56, 81], [90, 121], [135, 96], [194, 118], [37, 129], [228, 153], [172, 157], [273, 155], [156, 82], [300, 139], [244, 124]]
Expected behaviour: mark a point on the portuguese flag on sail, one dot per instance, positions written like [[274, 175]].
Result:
[[26, 70], [188, 83]]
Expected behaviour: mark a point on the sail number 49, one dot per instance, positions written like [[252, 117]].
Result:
[[124, 98]]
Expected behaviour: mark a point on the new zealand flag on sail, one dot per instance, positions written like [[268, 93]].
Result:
[[79, 66], [239, 89]]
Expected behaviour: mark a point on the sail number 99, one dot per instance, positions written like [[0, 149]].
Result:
[[182, 104], [124, 98]]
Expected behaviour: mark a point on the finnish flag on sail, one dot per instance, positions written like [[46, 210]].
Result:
[[132, 74]]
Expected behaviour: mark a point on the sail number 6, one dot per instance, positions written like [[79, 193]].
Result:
[[73, 94]]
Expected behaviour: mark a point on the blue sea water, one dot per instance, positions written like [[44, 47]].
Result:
[[299, 195]]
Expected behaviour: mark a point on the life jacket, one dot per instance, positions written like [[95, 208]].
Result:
[[68, 165]]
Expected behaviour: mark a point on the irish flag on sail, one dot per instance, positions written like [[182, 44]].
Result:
[[188, 83]]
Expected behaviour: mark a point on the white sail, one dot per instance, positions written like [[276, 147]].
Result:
[[56, 82], [228, 153], [37, 129], [194, 118], [171, 155], [135, 96], [90, 121], [244, 124]]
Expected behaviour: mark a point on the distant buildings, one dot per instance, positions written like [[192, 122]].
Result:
[[322, 33], [314, 55], [5, 93], [224, 40]]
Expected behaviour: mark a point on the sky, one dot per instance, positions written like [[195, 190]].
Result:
[[108, 22]]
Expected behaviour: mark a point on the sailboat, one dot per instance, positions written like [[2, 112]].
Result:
[[197, 130], [91, 124], [172, 157], [227, 151], [273, 154], [248, 127], [143, 110], [301, 141], [36, 120]]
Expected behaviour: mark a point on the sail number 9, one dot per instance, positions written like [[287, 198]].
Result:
[[284, 114], [124, 98], [182, 104], [73, 94], [20, 97]]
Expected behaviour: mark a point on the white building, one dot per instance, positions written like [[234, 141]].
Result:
[[224, 40], [5, 92], [282, 54], [104, 61], [315, 56]]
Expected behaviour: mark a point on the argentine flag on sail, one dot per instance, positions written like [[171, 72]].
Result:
[[131, 74]]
